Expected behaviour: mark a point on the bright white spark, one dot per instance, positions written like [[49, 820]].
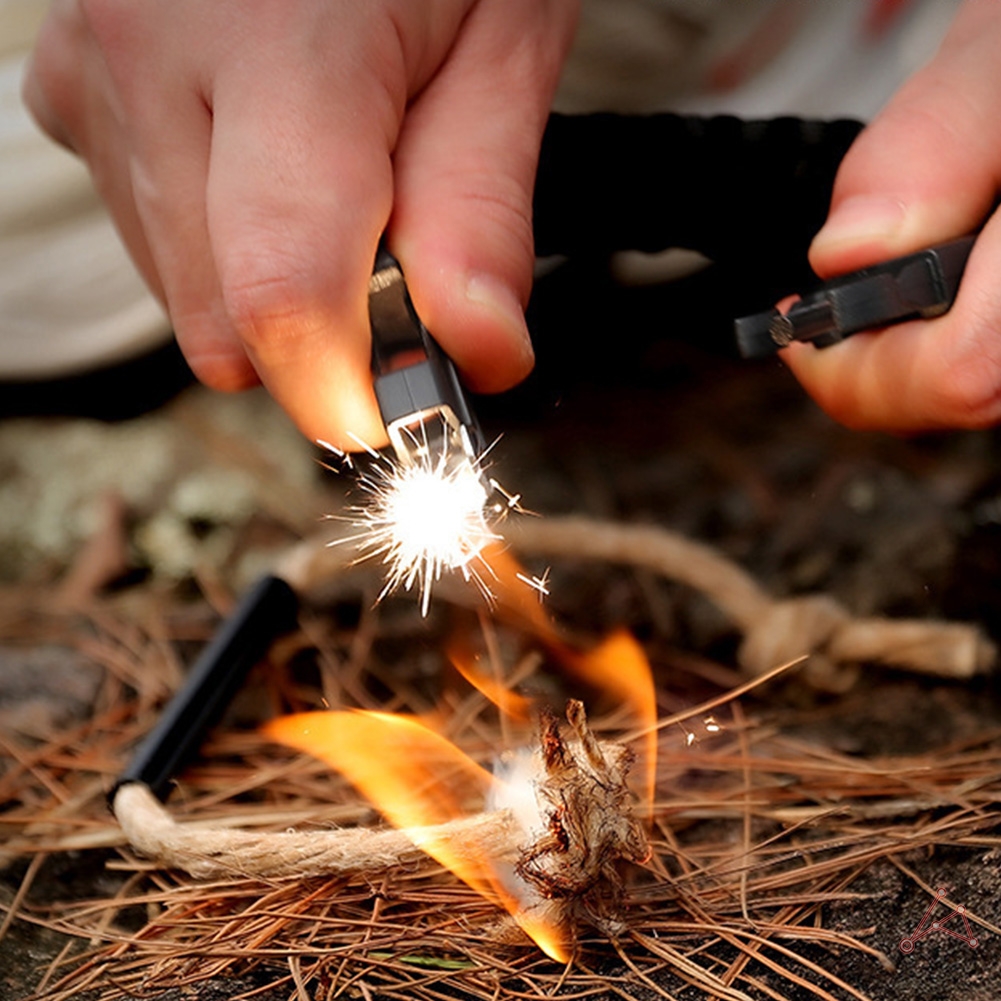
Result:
[[540, 584], [426, 517], [344, 458]]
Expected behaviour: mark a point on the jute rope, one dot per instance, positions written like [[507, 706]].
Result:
[[586, 824], [218, 853], [775, 630]]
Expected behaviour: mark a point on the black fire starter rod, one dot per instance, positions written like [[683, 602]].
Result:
[[267, 611]]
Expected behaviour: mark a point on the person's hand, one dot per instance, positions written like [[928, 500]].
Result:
[[252, 151], [927, 170]]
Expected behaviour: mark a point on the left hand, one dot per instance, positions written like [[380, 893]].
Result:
[[927, 170]]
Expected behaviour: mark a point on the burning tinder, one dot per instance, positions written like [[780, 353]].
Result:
[[548, 852], [569, 802]]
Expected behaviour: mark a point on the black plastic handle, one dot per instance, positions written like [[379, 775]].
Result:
[[265, 612]]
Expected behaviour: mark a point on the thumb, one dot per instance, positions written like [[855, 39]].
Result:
[[928, 167], [464, 174]]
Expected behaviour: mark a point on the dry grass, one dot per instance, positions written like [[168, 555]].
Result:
[[754, 833]]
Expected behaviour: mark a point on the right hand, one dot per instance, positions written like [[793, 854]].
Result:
[[253, 151]]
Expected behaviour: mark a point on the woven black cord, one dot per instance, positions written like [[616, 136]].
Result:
[[722, 186]]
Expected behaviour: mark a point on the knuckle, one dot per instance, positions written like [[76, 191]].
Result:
[[970, 392], [267, 302], [503, 211], [226, 374], [50, 88], [42, 92], [211, 348], [106, 18]]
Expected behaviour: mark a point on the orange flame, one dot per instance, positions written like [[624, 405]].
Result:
[[507, 585], [418, 780], [509, 702], [617, 666]]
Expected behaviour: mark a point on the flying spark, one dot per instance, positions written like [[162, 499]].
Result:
[[540, 584], [433, 514]]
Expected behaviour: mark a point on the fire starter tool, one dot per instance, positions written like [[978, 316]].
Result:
[[416, 384], [917, 286]]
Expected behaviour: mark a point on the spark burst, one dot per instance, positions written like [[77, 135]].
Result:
[[430, 515]]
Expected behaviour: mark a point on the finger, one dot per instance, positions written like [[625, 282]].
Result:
[[465, 168], [169, 172], [50, 87], [300, 187], [146, 141], [924, 375], [929, 166], [68, 89], [152, 96]]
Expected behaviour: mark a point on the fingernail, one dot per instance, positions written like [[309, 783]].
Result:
[[496, 297], [863, 217]]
